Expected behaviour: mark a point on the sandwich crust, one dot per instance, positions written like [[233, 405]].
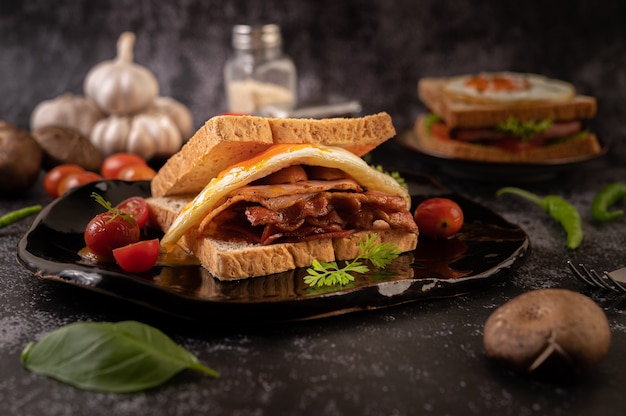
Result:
[[238, 260], [225, 140], [459, 113], [583, 146]]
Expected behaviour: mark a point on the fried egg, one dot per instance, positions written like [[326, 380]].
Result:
[[507, 88], [272, 160]]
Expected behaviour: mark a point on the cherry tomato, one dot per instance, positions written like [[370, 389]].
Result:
[[56, 175], [136, 173], [137, 257], [438, 218], [75, 179], [108, 231], [112, 165], [137, 208]]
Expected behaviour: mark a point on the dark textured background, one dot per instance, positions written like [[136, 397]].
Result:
[[422, 358], [370, 50]]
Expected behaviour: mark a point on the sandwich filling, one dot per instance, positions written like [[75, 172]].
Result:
[[512, 134], [288, 207], [294, 193]]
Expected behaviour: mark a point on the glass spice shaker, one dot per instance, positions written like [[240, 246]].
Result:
[[258, 74]]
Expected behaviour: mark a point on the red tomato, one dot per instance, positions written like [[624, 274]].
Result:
[[108, 231], [138, 257], [136, 173], [56, 175], [438, 218], [75, 179], [137, 208], [112, 165], [440, 131]]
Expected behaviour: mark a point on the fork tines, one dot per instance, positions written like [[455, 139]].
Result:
[[593, 278]]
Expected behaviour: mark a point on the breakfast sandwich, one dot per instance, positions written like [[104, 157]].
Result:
[[252, 196], [505, 117]]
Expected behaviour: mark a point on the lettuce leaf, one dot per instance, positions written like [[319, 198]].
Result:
[[524, 129]]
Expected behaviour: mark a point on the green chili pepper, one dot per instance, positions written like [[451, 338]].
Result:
[[607, 196], [559, 209], [18, 215]]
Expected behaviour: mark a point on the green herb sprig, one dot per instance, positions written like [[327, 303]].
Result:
[[330, 273], [110, 208]]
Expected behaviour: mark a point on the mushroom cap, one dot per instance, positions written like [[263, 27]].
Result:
[[20, 159], [554, 332], [62, 144]]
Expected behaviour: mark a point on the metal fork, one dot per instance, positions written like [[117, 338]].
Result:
[[615, 280]]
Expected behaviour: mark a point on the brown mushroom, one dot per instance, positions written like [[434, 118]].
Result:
[[20, 159], [62, 144], [549, 332]]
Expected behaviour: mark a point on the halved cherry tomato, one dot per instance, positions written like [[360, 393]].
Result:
[[136, 173], [137, 208], [108, 231], [112, 165], [55, 175], [137, 257], [75, 179], [438, 218]]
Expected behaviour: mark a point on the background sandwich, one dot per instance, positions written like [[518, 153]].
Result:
[[252, 196], [505, 117]]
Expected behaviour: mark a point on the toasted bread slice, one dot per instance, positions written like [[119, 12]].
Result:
[[237, 260], [580, 147], [458, 113], [226, 140]]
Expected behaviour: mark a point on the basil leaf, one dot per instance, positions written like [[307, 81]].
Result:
[[110, 357]]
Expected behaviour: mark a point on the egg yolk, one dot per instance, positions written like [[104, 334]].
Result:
[[484, 82]]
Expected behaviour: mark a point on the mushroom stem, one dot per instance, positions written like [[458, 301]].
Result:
[[125, 45], [551, 346]]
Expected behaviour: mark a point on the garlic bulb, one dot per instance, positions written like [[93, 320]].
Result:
[[67, 110], [120, 86], [147, 135], [178, 113]]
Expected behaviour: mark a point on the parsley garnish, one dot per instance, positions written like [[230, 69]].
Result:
[[110, 208], [329, 273], [524, 129]]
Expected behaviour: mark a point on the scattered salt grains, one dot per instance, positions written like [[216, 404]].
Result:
[[14, 332]]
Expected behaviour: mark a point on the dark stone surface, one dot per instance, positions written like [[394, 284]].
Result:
[[422, 358]]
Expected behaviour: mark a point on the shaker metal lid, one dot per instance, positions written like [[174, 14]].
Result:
[[256, 37]]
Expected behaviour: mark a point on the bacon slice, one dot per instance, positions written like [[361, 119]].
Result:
[[312, 209]]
